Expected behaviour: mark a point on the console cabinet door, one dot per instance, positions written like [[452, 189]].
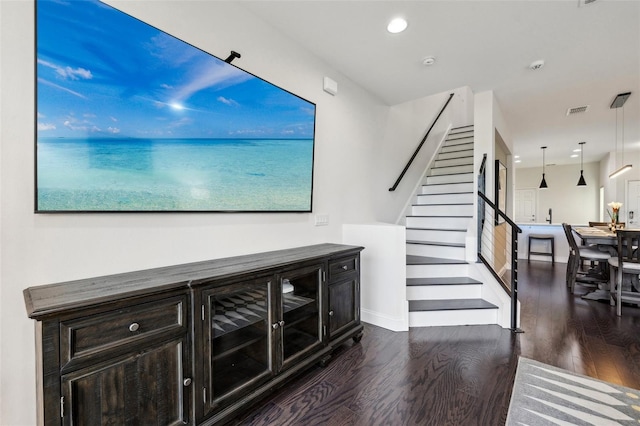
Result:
[[238, 339], [145, 388], [343, 306], [300, 313]]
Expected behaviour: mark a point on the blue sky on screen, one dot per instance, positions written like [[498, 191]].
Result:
[[102, 73]]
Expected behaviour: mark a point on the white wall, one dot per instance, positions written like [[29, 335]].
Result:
[[614, 189], [384, 269], [406, 126], [570, 203], [487, 119], [39, 249]]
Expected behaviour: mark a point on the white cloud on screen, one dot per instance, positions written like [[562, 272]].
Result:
[[67, 72], [46, 126], [57, 86], [226, 101], [217, 76]]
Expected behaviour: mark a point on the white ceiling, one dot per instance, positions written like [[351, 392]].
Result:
[[591, 53]]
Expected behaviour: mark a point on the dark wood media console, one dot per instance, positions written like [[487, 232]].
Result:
[[193, 343]]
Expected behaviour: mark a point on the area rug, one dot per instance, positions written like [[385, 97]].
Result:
[[547, 395]]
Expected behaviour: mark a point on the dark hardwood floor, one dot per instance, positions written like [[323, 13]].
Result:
[[461, 375]]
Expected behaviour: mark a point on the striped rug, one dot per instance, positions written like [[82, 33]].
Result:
[[546, 395]]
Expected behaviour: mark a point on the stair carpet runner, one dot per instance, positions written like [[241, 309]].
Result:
[[439, 288]]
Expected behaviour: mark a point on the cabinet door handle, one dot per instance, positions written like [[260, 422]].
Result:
[[281, 323], [330, 313], [344, 267], [275, 325], [134, 327], [187, 381]]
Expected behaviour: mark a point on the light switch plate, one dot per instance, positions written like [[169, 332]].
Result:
[[322, 219]]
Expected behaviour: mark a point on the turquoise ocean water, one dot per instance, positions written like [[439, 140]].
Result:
[[174, 174]]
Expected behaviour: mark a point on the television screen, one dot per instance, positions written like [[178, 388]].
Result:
[[131, 119]]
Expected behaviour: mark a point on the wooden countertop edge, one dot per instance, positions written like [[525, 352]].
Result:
[[52, 299]]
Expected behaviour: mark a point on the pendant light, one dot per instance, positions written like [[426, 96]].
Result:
[[618, 102], [581, 181], [543, 183]]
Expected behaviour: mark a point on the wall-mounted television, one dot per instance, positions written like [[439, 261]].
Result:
[[132, 119]]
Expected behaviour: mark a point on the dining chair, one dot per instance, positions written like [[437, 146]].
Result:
[[578, 254], [627, 263]]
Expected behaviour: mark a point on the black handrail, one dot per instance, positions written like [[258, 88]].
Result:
[[513, 291], [483, 165], [395, 185], [500, 213]]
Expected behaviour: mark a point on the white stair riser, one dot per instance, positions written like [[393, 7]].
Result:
[[442, 292], [462, 131], [457, 178], [455, 154], [445, 210], [436, 235], [458, 139], [445, 198], [445, 252], [451, 170], [455, 148], [438, 222], [434, 271], [449, 188], [455, 317], [459, 161]]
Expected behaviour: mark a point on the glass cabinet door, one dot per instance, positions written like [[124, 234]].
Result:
[[300, 312], [239, 339]]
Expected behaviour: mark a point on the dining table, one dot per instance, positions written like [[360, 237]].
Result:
[[604, 238]]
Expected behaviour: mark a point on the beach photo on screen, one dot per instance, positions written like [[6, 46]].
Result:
[[132, 119]]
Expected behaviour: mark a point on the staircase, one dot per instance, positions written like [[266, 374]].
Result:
[[441, 288]]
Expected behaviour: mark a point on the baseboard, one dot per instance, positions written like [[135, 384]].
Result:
[[385, 321]]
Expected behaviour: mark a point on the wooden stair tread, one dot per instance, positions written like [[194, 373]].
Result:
[[448, 174], [453, 165], [435, 243], [444, 204], [431, 215], [456, 158], [447, 183], [459, 148], [426, 260], [462, 127], [442, 281], [449, 305], [437, 229], [445, 193]]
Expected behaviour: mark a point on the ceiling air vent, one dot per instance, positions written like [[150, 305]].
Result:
[[585, 2], [577, 110]]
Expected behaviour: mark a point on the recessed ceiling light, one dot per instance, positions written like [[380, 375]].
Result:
[[536, 65], [397, 25], [429, 60], [576, 150], [516, 156], [574, 155], [517, 161]]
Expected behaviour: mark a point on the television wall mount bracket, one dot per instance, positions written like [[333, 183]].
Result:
[[232, 56]]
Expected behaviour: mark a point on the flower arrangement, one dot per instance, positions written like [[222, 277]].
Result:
[[615, 208]]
